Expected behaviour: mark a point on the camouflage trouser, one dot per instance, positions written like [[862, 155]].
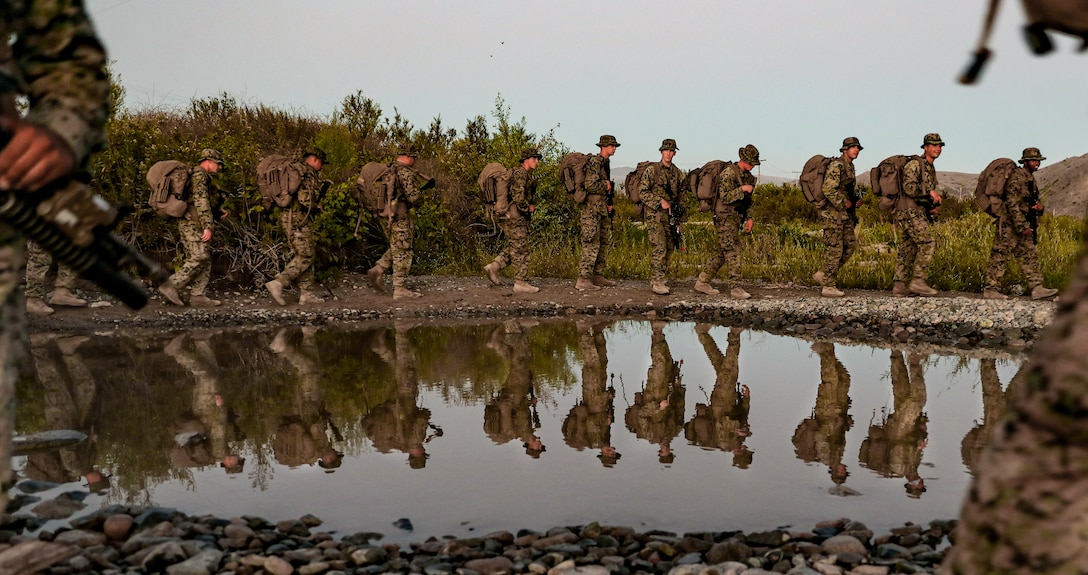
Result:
[[38, 262], [399, 255], [657, 228], [596, 234], [839, 240], [916, 247], [301, 238], [196, 269], [516, 251], [1010, 245], [12, 341], [727, 228]]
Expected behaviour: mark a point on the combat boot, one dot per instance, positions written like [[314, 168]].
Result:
[[275, 289], [659, 288], [201, 300], [308, 297], [739, 293], [36, 306], [601, 281], [705, 287], [400, 292], [492, 271], [920, 287], [64, 296], [832, 291], [818, 277], [1040, 292], [170, 292], [899, 289], [584, 284], [374, 276], [521, 286], [993, 294]]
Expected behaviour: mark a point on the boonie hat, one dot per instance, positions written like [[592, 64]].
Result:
[[211, 154], [530, 153], [934, 139], [850, 143], [408, 150], [749, 154], [668, 144], [317, 153], [1031, 154], [607, 140]]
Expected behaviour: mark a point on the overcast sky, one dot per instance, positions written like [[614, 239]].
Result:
[[793, 77]]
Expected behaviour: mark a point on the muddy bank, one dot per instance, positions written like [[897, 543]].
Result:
[[964, 321]]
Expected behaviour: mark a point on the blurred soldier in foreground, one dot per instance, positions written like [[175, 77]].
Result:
[[838, 216], [735, 186], [659, 191], [515, 225], [597, 217], [51, 55]]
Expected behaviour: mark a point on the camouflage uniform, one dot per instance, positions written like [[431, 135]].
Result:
[[657, 412], [589, 422], [729, 214], [1009, 239], [659, 182], [516, 226], [400, 228], [723, 424], [38, 262], [596, 225], [296, 221], [822, 437], [894, 448], [837, 222], [916, 248], [196, 270], [51, 52]]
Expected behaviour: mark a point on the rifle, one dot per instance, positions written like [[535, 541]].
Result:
[[75, 225], [609, 199], [675, 229], [854, 196], [927, 204], [1032, 214]]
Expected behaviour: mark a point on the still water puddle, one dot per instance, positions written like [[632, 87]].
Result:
[[465, 429]]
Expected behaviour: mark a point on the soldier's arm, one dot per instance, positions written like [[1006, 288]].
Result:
[[1016, 192], [729, 186], [407, 179], [519, 185], [648, 192], [307, 189], [833, 185], [911, 180], [201, 184], [596, 181]]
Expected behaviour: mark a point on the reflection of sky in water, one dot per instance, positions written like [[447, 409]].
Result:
[[470, 485]]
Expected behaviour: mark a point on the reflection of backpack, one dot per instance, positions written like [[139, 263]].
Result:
[[572, 169], [168, 180], [494, 184], [279, 178], [374, 188], [886, 180], [812, 179], [631, 183], [990, 190], [704, 182]]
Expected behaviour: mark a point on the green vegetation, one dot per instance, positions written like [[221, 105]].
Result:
[[453, 235]]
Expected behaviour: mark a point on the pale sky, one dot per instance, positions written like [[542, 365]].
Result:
[[793, 77]]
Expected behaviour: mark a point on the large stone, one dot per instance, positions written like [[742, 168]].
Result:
[[368, 555], [57, 508], [569, 568], [277, 566], [204, 563], [118, 526], [81, 538], [729, 550], [491, 565], [844, 544]]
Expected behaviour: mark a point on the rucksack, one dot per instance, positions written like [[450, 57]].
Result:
[[990, 191], [494, 184], [279, 178], [374, 188], [572, 169], [886, 178], [704, 182], [1068, 16], [812, 179], [631, 184], [168, 180]]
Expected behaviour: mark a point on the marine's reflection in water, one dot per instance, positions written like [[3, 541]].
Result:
[[371, 419]]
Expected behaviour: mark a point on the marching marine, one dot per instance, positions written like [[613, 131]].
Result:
[[735, 187], [838, 216], [659, 191], [515, 225]]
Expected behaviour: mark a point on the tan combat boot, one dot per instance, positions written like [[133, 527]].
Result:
[[308, 297], [899, 289], [818, 277], [374, 276], [1040, 292], [739, 293], [601, 281], [400, 292], [993, 294], [584, 284], [64, 296], [275, 289], [201, 300], [36, 306], [521, 286], [170, 292], [832, 291], [492, 271], [659, 288], [705, 287], [920, 287]]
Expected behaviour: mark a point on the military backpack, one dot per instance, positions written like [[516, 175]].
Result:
[[169, 180], [812, 179], [990, 191], [375, 188], [278, 179], [572, 169], [886, 180], [704, 182], [494, 184], [631, 184]]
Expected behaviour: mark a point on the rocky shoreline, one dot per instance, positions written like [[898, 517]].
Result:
[[121, 539]]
